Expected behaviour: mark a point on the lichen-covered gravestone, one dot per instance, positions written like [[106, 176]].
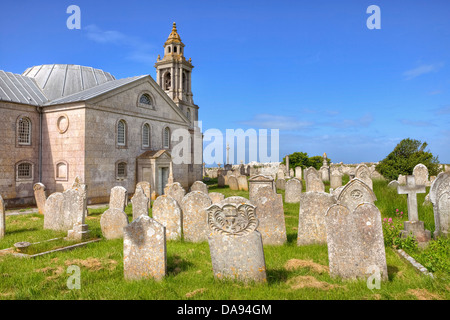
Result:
[[233, 183], [259, 181], [167, 211], [118, 198], [270, 213], [314, 184], [355, 193], [311, 220], [335, 179], [293, 191], [281, 184], [362, 172], [2, 218], [112, 223], [75, 204], [236, 246], [176, 191], [199, 186], [242, 182], [216, 196], [144, 250], [420, 173], [298, 173], [194, 206], [220, 181], [39, 196], [139, 203], [393, 184], [440, 198], [147, 190]]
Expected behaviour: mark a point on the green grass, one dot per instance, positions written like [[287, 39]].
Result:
[[190, 269]]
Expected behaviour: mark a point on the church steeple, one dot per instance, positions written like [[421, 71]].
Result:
[[173, 73]]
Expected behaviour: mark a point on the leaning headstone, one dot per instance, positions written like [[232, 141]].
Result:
[[298, 173], [194, 206], [167, 211], [147, 190], [144, 250], [216, 197], [39, 196], [176, 191], [335, 179], [393, 184], [355, 242], [233, 183], [362, 172], [199, 186], [118, 198], [281, 184], [139, 203], [314, 184], [420, 173], [2, 218], [440, 198], [236, 246], [259, 181], [270, 212], [112, 223], [242, 182], [293, 191], [311, 221], [355, 193]]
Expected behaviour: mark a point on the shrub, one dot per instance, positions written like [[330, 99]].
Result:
[[391, 232], [301, 159]]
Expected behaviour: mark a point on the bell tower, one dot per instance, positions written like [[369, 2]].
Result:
[[173, 74]]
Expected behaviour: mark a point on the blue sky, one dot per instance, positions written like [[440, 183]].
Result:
[[309, 68]]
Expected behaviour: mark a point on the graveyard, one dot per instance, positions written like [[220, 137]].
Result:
[[294, 269]]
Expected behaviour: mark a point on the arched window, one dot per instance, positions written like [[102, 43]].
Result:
[[184, 82], [166, 138], [61, 171], [167, 81], [121, 133], [24, 171], [24, 131], [121, 170], [146, 135], [188, 114], [169, 49], [145, 99], [175, 49]]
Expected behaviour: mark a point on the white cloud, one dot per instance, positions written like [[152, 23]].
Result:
[[270, 121], [422, 69]]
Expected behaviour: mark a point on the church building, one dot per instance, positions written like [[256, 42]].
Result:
[[60, 121]]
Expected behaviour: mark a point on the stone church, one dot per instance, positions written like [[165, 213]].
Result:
[[61, 121]]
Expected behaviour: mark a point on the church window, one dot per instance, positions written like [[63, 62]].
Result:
[[121, 170], [175, 49], [169, 49], [166, 138], [145, 99], [146, 135], [61, 171], [188, 114], [24, 171], [24, 131], [167, 81], [121, 133], [184, 82]]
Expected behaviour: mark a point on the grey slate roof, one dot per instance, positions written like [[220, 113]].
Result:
[[17, 88]]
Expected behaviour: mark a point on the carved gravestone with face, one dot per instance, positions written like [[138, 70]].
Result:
[[236, 246]]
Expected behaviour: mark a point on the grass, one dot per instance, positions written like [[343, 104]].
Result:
[[190, 271]]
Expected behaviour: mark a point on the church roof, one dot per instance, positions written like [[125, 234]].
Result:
[[153, 154], [59, 80], [20, 89]]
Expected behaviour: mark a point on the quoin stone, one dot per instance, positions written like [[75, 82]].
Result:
[[236, 246], [112, 223], [144, 250], [139, 203], [440, 198], [167, 211], [194, 206], [40, 197], [293, 191]]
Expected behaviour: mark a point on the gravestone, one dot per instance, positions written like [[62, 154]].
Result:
[[216, 197], [401, 180], [440, 198], [139, 203], [337, 191], [147, 190], [393, 184], [324, 173], [39, 196], [307, 172], [75, 205], [354, 193], [199, 186], [311, 221], [281, 184], [355, 241], [336, 179], [2, 218], [82, 189], [176, 191], [280, 174], [144, 249], [314, 183], [413, 225], [220, 181], [235, 200], [362, 172], [236, 246], [194, 206], [420, 173], [293, 191], [270, 213], [298, 173], [167, 211], [242, 182], [233, 183], [291, 173], [259, 181], [112, 223], [118, 198]]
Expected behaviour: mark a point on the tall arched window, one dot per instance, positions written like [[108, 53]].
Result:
[[24, 131], [166, 138], [121, 133], [145, 99], [146, 135], [167, 81]]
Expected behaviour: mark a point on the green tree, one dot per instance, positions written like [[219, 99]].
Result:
[[301, 159], [405, 156]]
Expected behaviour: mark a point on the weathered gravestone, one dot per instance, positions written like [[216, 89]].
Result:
[[118, 198], [336, 179], [194, 206], [112, 223], [233, 183], [281, 184], [314, 184], [440, 198], [216, 197], [420, 173], [354, 193], [242, 182], [199, 186], [311, 220], [259, 181], [355, 241], [176, 191], [307, 172], [167, 211], [144, 249], [2, 218], [324, 173], [413, 225], [293, 191], [270, 213], [147, 190], [39, 196], [337, 191], [236, 246], [280, 174], [291, 173], [220, 181], [75, 203], [362, 172], [393, 184], [298, 173], [401, 179], [139, 203]]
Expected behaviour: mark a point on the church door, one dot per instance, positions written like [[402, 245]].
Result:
[[163, 177]]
